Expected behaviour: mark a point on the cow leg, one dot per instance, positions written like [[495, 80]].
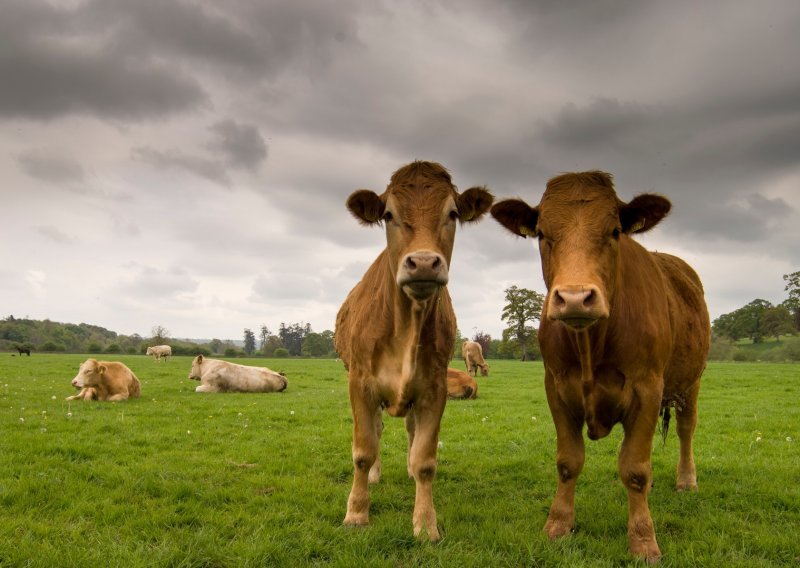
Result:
[[375, 471], [686, 417], [570, 453], [366, 417], [422, 463], [635, 471]]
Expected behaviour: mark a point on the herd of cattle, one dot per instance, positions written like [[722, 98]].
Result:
[[624, 335]]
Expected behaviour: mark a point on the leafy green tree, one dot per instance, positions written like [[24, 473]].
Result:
[[747, 321], [792, 303], [292, 336], [318, 344], [160, 335], [484, 339], [777, 321], [522, 307], [249, 342]]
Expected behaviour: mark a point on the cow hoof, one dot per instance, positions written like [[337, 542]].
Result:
[[686, 485], [647, 551], [423, 534], [356, 519], [557, 529]]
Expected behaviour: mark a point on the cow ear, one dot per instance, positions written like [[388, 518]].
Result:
[[516, 216], [643, 213], [101, 369], [473, 204], [366, 206], [199, 358]]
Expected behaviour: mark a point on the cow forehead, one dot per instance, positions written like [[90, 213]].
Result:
[[412, 200], [567, 198]]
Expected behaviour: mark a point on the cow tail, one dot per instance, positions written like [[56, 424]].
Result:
[[136, 388], [665, 417]]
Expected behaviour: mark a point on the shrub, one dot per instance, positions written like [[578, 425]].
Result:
[[722, 349], [113, 348], [94, 348], [281, 353], [231, 352]]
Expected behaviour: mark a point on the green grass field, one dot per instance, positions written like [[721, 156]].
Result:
[[177, 478]]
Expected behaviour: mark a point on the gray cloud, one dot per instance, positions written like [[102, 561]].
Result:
[[51, 168], [55, 235], [241, 144], [205, 168]]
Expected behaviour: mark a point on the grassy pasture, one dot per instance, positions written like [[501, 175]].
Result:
[[177, 478]]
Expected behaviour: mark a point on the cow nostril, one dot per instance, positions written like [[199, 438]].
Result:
[[590, 298], [410, 264], [559, 300]]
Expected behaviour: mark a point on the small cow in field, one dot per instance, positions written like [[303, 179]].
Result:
[[472, 353], [221, 376], [460, 385], [396, 329], [624, 335], [159, 351], [105, 381], [23, 350]]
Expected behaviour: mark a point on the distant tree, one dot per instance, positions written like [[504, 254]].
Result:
[[747, 321], [318, 344], [484, 339], [215, 345], [94, 348], [231, 352], [281, 353], [114, 348], [249, 342], [263, 337], [273, 343], [522, 307], [777, 321], [792, 303], [160, 335], [292, 336], [457, 346]]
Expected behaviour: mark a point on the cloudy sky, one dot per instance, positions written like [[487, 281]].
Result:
[[185, 163]]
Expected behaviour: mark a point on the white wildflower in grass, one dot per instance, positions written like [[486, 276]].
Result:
[[188, 431], [441, 445], [21, 419], [484, 419], [533, 418], [758, 438], [291, 412], [789, 439], [69, 415], [53, 397]]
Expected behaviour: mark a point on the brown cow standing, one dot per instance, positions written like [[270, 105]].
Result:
[[472, 353], [396, 329], [461, 385], [624, 335]]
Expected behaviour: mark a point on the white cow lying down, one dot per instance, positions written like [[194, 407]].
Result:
[[220, 376]]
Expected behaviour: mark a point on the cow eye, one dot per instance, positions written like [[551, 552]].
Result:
[[387, 216], [453, 215], [615, 233]]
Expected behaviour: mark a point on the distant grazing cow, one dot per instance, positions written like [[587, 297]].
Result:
[[23, 350], [396, 329], [624, 335], [460, 385], [472, 353], [106, 381], [159, 351], [221, 376]]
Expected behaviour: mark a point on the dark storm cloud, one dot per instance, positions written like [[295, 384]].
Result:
[[51, 168], [51, 64], [241, 144]]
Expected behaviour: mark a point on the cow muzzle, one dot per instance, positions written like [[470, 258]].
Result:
[[422, 273], [577, 306], [77, 383]]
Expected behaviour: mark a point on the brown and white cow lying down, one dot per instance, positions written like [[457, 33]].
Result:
[[624, 335], [460, 385], [105, 380], [221, 376], [159, 351], [472, 354], [396, 329]]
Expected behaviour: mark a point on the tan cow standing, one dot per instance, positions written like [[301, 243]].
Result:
[[106, 381], [221, 376], [624, 335], [396, 329], [472, 352], [159, 351], [461, 385]]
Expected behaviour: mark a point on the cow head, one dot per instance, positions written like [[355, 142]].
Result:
[[197, 369], [420, 209], [579, 223], [90, 374]]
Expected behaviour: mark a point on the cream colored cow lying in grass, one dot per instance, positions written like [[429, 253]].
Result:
[[221, 376], [105, 380]]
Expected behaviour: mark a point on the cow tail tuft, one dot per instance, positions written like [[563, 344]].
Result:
[[665, 417]]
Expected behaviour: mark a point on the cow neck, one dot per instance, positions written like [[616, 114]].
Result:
[[411, 317], [584, 346]]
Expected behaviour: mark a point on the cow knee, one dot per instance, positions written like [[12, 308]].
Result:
[[568, 469], [424, 470], [635, 478], [363, 460]]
